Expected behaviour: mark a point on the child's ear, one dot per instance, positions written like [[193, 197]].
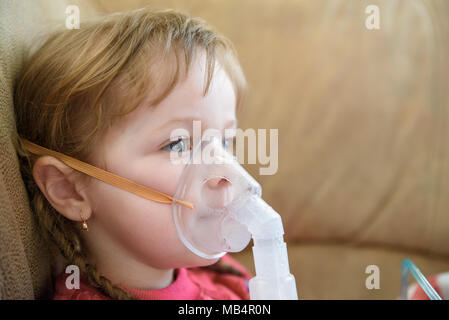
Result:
[[61, 186]]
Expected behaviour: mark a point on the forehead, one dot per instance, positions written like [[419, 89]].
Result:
[[187, 100]]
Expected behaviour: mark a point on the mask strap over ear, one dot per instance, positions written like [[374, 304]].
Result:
[[103, 175]]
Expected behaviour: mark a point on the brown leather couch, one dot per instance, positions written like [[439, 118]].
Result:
[[363, 120]]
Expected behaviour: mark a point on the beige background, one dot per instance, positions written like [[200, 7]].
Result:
[[363, 128]]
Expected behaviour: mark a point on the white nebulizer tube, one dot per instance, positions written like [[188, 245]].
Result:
[[228, 211], [273, 280]]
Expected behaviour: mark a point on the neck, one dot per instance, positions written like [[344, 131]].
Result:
[[117, 265]]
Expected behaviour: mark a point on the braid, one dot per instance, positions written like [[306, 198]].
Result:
[[69, 245], [60, 232]]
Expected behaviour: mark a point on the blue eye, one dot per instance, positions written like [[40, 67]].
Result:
[[180, 145]]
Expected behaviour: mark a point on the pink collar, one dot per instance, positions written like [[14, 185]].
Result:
[[182, 288]]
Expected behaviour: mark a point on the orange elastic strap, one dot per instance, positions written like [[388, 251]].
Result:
[[105, 176]]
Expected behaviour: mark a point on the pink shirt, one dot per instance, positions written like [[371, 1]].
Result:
[[189, 284]]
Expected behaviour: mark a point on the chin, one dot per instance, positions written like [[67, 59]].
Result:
[[201, 262]]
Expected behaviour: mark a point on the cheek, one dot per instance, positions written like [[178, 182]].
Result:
[[157, 173], [163, 178], [143, 228]]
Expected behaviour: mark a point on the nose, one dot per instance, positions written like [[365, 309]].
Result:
[[217, 192], [218, 183]]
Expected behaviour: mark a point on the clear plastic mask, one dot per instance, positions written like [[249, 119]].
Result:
[[212, 180]]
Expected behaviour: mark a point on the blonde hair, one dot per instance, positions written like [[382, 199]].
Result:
[[79, 82]]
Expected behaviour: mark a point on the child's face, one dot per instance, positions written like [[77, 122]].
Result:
[[137, 149]]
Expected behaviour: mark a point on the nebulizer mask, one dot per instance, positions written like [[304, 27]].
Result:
[[228, 211], [216, 209]]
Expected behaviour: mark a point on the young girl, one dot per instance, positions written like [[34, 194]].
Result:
[[110, 94]]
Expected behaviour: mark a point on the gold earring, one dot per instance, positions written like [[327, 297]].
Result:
[[84, 225]]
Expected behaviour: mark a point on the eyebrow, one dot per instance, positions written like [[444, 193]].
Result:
[[173, 121], [229, 124]]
